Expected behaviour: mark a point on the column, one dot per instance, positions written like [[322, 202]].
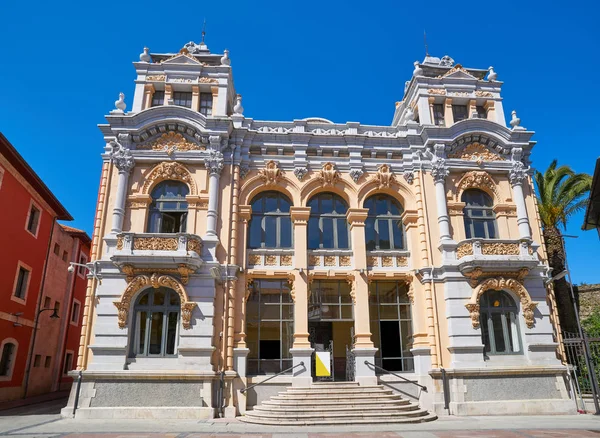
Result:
[[516, 175], [448, 115], [124, 162], [168, 94], [439, 172], [195, 97], [298, 278], [148, 93], [473, 109], [214, 165]]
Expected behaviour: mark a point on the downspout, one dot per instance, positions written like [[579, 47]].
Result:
[[235, 175]]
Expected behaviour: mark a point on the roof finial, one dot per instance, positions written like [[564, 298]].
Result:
[[203, 32], [425, 40]]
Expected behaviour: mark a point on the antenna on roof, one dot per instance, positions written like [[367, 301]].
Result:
[[203, 31], [425, 40]]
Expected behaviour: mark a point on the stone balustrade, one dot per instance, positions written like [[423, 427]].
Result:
[[270, 258], [330, 258], [387, 259]]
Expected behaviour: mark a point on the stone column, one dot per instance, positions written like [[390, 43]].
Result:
[[516, 175], [448, 115], [148, 93], [301, 351], [439, 172], [195, 97], [214, 165], [124, 162]]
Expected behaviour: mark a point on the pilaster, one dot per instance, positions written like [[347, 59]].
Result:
[[124, 162], [299, 216], [148, 93], [448, 115]]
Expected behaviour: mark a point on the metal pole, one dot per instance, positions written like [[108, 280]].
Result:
[[588, 360]]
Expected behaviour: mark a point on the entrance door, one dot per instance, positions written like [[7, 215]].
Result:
[[321, 339], [391, 347]]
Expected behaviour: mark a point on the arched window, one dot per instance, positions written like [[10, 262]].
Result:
[[7, 359], [480, 219], [383, 228], [498, 321], [156, 322], [270, 225], [327, 225], [168, 210]]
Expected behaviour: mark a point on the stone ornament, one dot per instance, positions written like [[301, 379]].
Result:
[[437, 91], [355, 174], [328, 175], [453, 70], [271, 174], [193, 48], [156, 78], [418, 71], [492, 75], [300, 172], [409, 176], [285, 260], [121, 157], [120, 104], [384, 177], [439, 170], [515, 122], [502, 283], [351, 283], [290, 279], [225, 58], [183, 270], [171, 141], [205, 80], [478, 273], [463, 250], [194, 245], [476, 152], [517, 173], [155, 244], [477, 179], [500, 248], [155, 280], [244, 169], [145, 56], [254, 259], [481, 93], [238, 108], [171, 170], [214, 162]]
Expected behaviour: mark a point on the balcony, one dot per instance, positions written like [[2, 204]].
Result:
[[270, 258], [496, 253], [388, 260], [330, 259], [157, 251]]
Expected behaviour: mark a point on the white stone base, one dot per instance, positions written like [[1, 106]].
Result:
[[508, 407], [154, 413]]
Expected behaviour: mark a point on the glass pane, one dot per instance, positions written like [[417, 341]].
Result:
[[173, 298], [513, 332], [142, 339], [339, 205], [330, 311], [326, 204], [327, 292], [144, 299], [252, 339], [478, 229], [406, 337], [156, 329], [475, 212], [485, 335], [373, 315], [384, 234], [172, 332], [270, 231], [370, 233], [287, 338], [405, 312], [159, 297], [271, 202], [468, 225], [285, 237], [346, 312], [342, 233], [491, 229], [387, 292], [269, 311], [395, 208], [284, 204], [498, 333], [381, 206], [313, 233], [327, 236], [257, 205], [252, 310], [387, 311], [287, 311], [398, 234], [255, 233], [345, 292]]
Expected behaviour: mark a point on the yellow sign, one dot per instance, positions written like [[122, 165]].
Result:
[[323, 363]]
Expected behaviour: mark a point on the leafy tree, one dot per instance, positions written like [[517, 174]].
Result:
[[561, 194]]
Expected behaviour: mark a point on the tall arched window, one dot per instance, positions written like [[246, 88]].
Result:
[[498, 321], [327, 225], [480, 219], [383, 228], [156, 322], [270, 225], [7, 358], [168, 210]]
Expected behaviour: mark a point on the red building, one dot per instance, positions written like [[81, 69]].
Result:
[[33, 276]]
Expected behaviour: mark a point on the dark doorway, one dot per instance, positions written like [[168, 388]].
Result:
[[391, 347]]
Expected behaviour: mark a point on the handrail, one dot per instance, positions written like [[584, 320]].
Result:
[[272, 377], [424, 388]]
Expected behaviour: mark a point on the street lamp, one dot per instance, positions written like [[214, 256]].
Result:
[[92, 267]]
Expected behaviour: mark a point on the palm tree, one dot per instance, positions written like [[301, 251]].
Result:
[[561, 194]]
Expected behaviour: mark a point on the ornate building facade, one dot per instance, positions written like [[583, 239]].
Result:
[[229, 249]]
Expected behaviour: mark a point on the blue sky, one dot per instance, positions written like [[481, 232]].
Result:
[[64, 63]]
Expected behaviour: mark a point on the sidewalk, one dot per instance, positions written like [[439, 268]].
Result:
[[33, 400]]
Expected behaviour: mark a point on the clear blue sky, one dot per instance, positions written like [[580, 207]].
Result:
[[64, 63]]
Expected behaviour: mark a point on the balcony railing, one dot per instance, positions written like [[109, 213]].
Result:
[[494, 248], [388, 259], [270, 258], [330, 258]]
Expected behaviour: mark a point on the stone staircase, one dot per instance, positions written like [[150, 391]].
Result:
[[334, 403]]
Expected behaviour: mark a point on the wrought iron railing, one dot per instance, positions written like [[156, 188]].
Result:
[[424, 388], [301, 364]]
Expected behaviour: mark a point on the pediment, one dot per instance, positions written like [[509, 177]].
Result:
[[476, 152], [458, 72], [182, 59]]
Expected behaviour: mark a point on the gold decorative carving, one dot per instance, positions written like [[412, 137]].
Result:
[[328, 175], [155, 243], [129, 271], [169, 170], [387, 262], [290, 278], [249, 286], [501, 283], [329, 260], [344, 260], [120, 242], [500, 248], [171, 141], [183, 270], [205, 80], [476, 152], [314, 260], [478, 179], [401, 261], [438, 91], [155, 78], [255, 259], [477, 274], [286, 260], [351, 283], [155, 280], [194, 245], [271, 174], [384, 177], [137, 204], [454, 69], [270, 260], [464, 249], [480, 93], [372, 261]]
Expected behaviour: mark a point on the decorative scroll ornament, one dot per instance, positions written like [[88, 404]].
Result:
[[156, 78], [438, 91], [355, 174], [155, 244], [500, 248], [384, 177], [300, 172], [169, 171], [170, 141], [183, 270], [480, 93], [290, 279], [476, 152], [244, 169], [351, 283], [194, 48], [501, 283], [328, 175], [463, 250], [214, 162], [477, 179], [439, 170], [478, 273], [409, 176], [155, 280], [517, 173], [121, 157], [271, 174]]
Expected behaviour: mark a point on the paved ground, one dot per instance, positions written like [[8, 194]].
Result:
[[43, 420]]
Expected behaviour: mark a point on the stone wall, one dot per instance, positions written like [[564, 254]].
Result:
[[589, 299]]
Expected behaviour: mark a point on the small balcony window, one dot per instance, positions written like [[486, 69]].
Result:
[[168, 210], [460, 112], [206, 104], [182, 99], [158, 98], [438, 114], [480, 219]]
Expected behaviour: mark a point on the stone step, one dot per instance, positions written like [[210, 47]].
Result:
[[326, 405], [348, 392], [342, 421], [333, 415], [375, 407], [342, 398]]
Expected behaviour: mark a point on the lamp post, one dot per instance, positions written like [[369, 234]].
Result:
[[37, 319]]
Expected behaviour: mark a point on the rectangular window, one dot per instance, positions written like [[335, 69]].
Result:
[[460, 112], [438, 114], [33, 220], [47, 361], [37, 361], [81, 269], [47, 302], [181, 98], [68, 363], [8, 357], [158, 98], [65, 256], [330, 301], [56, 249], [206, 103], [22, 283], [75, 312], [57, 306], [481, 112]]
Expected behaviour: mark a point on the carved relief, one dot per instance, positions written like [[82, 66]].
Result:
[[350, 280], [271, 174], [463, 250], [476, 152], [372, 261], [286, 260], [477, 179], [500, 249], [480, 93], [169, 171], [477, 274], [155, 244], [329, 260], [155, 280], [171, 141], [205, 80], [401, 261], [271, 260], [344, 260], [384, 177], [120, 242], [314, 260], [155, 78], [254, 259], [455, 69], [438, 91], [194, 245], [328, 175], [290, 278], [387, 262]]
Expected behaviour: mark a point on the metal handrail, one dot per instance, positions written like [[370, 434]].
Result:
[[424, 388], [301, 364]]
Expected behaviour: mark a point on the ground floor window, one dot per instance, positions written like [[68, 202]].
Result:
[[269, 327], [498, 322], [391, 325], [330, 301]]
